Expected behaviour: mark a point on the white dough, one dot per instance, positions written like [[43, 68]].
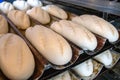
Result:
[[105, 58], [21, 5], [34, 3], [5, 7], [85, 68], [63, 76]]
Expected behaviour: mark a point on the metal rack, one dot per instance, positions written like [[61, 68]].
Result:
[[98, 7]]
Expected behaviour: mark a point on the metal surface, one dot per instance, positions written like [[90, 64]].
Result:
[[99, 5]]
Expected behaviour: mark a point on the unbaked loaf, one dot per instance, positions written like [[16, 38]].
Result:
[[39, 14], [105, 58], [99, 26], [19, 18], [34, 3], [5, 7], [3, 25], [56, 11], [16, 59], [21, 5], [63, 76], [51, 45], [77, 34], [85, 68]]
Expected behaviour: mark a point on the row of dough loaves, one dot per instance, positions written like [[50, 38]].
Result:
[[22, 20], [76, 30], [22, 5], [79, 30], [86, 68], [66, 28]]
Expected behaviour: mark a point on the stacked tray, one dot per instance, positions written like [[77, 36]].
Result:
[[44, 70]]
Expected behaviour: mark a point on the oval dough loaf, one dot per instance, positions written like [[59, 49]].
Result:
[[5, 7], [40, 15], [51, 45], [56, 11], [3, 25], [19, 18], [16, 59], [99, 26], [21, 5], [34, 3], [105, 58], [64, 76], [76, 34], [85, 68]]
